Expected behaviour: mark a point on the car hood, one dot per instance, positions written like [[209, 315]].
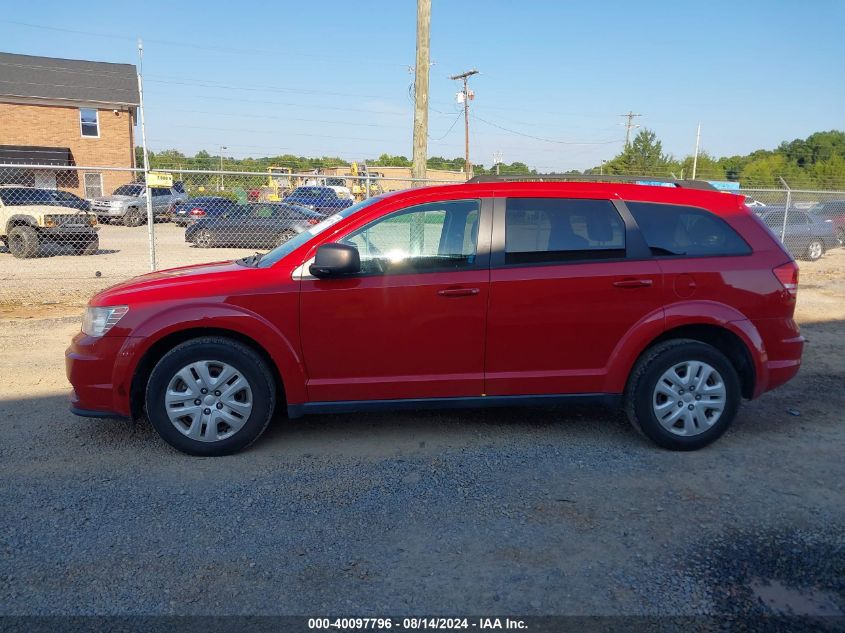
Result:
[[187, 281]]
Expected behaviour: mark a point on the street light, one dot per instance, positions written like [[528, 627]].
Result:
[[222, 147], [601, 168]]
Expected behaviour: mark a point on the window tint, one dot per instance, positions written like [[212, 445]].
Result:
[[559, 229], [672, 229], [429, 237], [88, 122]]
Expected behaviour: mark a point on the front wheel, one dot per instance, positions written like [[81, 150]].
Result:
[[133, 217], [23, 242], [210, 396], [682, 394]]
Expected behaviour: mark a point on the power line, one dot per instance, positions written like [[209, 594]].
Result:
[[540, 138]]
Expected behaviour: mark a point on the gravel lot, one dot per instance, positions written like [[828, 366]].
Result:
[[548, 511]]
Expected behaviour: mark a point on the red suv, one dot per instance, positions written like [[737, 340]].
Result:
[[672, 302]]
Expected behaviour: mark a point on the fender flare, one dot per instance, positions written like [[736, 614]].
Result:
[[640, 337], [20, 219], [283, 353]]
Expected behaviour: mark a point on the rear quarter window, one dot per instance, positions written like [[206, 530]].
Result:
[[678, 230]]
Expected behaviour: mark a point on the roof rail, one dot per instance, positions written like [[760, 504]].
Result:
[[677, 182]]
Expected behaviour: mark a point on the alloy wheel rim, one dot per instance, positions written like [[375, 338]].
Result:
[[208, 400], [815, 250], [689, 398]]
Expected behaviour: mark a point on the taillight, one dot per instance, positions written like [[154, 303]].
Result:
[[197, 212], [787, 275]]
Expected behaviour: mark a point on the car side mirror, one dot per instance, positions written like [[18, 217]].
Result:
[[334, 260]]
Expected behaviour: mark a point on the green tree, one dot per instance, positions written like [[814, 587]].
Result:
[[644, 156]]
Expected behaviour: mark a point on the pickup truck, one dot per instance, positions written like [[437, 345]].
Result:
[[128, 204], [31, 217]]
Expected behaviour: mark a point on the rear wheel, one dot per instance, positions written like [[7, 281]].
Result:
[[682, 394], [23, 242], [210, 396], [133, 217], [815, 250], [840, 236], [203, 238]]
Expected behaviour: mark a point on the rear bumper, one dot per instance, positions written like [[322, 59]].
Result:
[[784, 347], [91, 364]]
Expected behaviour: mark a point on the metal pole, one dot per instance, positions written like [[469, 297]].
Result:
[[785, 210], [695, 157], [421, 70], [150, 218]]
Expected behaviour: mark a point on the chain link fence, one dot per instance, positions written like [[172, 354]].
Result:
[[68, 232]]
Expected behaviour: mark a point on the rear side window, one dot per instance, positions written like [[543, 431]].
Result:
[[673, 230], [559, 229]]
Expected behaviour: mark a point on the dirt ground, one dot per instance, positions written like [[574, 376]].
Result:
[[546, 511]]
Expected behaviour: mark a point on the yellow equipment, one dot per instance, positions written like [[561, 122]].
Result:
[[279, 183]]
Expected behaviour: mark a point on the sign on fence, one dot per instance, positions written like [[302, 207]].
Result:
[[159, 179]]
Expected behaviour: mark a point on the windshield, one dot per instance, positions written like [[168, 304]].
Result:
[[129, 190], [292, 244], [309, 192]]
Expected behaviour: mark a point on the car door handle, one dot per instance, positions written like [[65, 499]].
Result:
[[633, 283], [458, 292]]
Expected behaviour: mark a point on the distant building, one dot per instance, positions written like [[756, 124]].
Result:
[[67, 112]]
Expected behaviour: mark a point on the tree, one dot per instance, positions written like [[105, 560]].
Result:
[[644, 156]]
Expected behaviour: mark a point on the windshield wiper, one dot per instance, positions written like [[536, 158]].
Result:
[[251, 260]]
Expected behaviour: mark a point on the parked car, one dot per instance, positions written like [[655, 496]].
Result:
[[256, 225], [323, 200], [68, 199], [673, 304], [832, 212], [30, 218], [204, 208], [338, 185], [806, 235], [128, 204]]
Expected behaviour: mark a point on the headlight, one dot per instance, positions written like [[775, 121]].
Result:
[[98, 321]]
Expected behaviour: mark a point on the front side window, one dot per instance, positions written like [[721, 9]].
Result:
[[559, 229], [430, 237], [672, 230], [89, 122], [93, 185]]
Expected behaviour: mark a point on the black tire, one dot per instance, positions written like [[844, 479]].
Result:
[[133, 217], [224, 350], [840, 237], [640, 391], [23, 242], [89, 247]]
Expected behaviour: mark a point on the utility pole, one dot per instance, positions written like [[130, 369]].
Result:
[[497, 160], [695, 156], [629, 126], [467, 96], [420, 151]]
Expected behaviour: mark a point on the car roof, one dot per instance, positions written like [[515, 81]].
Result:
[[711, 199]]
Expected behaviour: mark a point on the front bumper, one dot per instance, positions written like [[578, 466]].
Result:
[[94, 366]]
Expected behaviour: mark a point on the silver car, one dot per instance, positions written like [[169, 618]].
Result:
[[128, 204]]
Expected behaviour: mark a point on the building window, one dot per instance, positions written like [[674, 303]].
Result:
[[89, 122], [93, 185]]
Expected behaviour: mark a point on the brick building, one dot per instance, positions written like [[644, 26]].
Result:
[[67, 112]]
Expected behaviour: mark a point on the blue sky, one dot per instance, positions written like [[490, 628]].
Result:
[[332, 78]]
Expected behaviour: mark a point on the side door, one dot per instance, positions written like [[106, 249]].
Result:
[[569, 278], [411, 324]]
